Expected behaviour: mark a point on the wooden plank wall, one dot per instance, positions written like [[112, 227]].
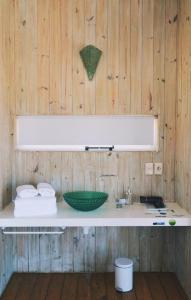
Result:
[[183, 141], [6, 130], [136, 75], [6, 78]]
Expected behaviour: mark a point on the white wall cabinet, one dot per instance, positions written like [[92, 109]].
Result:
[[87, 133]]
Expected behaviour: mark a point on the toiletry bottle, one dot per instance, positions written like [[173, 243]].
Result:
[[129, 196]]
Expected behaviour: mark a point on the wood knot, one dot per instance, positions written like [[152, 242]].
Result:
[[175, 18], [90, 19], [110, 77], [36, 169]]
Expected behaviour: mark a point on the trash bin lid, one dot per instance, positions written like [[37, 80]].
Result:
[[123, 262]]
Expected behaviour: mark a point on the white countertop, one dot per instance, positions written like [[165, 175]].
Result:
[[107, 215]]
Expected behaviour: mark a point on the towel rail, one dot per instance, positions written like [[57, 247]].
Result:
[[7, 232]]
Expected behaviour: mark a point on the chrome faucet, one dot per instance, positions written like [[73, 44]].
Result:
[[104, 176]]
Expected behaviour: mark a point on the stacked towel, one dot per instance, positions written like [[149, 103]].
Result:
[[45, 190], [35, 202], [25, 191], [35, 206]]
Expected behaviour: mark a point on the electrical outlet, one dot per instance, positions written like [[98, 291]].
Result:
[[148, 168], [158, 168]]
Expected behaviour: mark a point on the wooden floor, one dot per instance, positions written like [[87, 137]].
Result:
[[95, 286]]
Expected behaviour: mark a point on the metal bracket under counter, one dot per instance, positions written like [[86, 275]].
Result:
[[38, 232], [27, 232]]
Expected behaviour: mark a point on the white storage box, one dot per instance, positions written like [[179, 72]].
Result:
[[123, 274]]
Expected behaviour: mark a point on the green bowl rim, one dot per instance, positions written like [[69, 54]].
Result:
[[92, 192]]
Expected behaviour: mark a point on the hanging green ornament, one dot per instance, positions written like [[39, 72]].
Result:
[[90, 56]]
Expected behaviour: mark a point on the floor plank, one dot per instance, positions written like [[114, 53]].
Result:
[[179, 287], [83, 290], [55, 288], [91, 286], [98, 290], [129, 296], [41, 287], [110, 288], [141, 288], [156, 289], [71, 280], [170, 286], [12, 287], [26, 287]]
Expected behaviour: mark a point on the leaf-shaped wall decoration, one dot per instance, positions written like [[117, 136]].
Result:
[[90, 56]]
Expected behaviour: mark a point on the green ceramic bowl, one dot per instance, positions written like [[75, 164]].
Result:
[[85, 200]]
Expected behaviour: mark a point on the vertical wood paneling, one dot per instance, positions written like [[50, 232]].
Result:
[[89, 251], [67, 247], [113, 56], [2, 264], [101, 97], [56, 253], [145, 250], [43, 76], [159, 84], [101, 249], [124, 56], [183, 107], [78, 250], [170, 96], [136, 55], [147, 56], [34, 253], [22, 253], [56, 170], [90, 35], [183, 142], [26, 56], [20, 56], [78, 34], [45, 253], [6, 93], [131, 36], [66, 56], [147, 77], [134, 247], [40, 46], [169, 244], [156, 248], [90, 239], [55, 57]]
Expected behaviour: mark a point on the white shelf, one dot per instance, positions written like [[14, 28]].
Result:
[[107, 215]]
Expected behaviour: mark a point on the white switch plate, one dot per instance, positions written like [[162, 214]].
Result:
[[148, 168], [158, 168]]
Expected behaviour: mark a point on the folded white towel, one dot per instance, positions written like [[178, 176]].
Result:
[[45, 190], [25, 191], [37, 206]]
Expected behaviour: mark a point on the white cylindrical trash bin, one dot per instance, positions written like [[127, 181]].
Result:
[[123, 274]]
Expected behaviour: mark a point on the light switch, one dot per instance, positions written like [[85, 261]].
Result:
[[158, 168], [148, 168]]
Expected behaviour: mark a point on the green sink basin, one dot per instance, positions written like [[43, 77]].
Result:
[[85, 200]]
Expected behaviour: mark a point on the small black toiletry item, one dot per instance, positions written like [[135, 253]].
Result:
[[155, 200]]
